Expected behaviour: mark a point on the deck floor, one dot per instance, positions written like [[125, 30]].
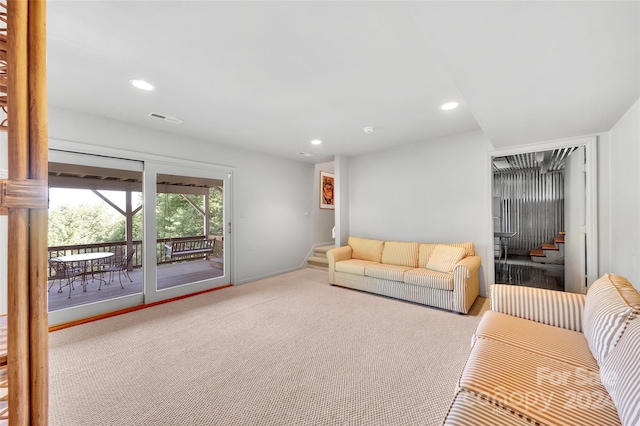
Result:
[[169, 275]]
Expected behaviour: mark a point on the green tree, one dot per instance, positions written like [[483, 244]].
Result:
[[84, 224], [216, 213], [96, 223], [176, 217]]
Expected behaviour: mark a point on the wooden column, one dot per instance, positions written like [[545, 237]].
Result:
[[24, 197], [18, 237], [38, 219]]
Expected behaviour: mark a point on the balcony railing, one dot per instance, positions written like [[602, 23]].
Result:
[[161, 258]]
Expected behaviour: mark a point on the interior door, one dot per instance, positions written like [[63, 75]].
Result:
[[575, 268]]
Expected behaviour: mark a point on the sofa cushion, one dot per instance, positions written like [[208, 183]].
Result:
[[366, 249], [444, 258], [428, 278], [426, 250], [538, 387], [621, 375], [554, 342], [400, 253], [386, 272], [610, 303], [469, 409], [353, 266], [469, 247]]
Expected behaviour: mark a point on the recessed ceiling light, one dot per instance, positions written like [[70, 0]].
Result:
[[142, 85], [368, 129], [449, 105], [316, 142]]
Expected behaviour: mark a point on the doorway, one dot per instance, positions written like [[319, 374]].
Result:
[[537, 196]]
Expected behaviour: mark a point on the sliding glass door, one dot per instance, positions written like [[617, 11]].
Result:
[[124, 233], [94, 235], [191, 223]]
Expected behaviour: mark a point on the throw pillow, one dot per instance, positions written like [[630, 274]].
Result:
[[621, 376], [444, 258], [610, 303]]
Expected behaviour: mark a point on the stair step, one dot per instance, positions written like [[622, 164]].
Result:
[[550, 247], [324, 249], [537, 253], [318, 261], [558, 240]]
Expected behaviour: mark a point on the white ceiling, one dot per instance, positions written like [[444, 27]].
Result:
[[272, 76]]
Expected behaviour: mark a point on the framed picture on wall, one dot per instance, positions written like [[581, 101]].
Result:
[[326, 190]]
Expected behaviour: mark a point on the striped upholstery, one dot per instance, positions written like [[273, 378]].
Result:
[[465, 283], [397, 290], [366, 249], [620, 374], [468, 247], [354, 266], [386, 272], [453, 291], [424, 253], [426, 250], [554, 342], [469, 409], [428, 278], [336, 255], [555, 308], [538, 387], [444, 258], [400, 253], [610, 303]]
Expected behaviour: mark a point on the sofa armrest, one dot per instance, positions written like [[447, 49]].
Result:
[[465, 283], [336, 255], [550, 307]]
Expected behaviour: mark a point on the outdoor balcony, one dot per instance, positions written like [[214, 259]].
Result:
[[171, 272]]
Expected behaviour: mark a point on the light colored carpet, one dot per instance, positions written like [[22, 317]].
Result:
[[288, 350]]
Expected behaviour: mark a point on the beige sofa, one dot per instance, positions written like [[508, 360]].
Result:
[[440, 275], [553, 358]]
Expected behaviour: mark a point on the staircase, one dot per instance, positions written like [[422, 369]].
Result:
[[319, 259], [550, 252]]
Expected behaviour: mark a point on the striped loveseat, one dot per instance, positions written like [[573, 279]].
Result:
[[440, 275], [551, 358]]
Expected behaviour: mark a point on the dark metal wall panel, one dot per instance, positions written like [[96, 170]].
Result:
[[532, 204]]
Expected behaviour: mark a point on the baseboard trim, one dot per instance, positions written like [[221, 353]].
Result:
[[272, 274]]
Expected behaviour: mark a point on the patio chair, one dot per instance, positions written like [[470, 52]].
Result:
[[120, 265], [62, 271]]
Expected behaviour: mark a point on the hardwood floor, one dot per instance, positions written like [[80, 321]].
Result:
[[169, 275]]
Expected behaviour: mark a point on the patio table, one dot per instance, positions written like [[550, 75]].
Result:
[[86, 259]]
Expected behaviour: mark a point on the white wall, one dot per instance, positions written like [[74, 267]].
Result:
[[624, 192], [271, 225], [434, 191], [604, 205], [323, 220], [341, 194]]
